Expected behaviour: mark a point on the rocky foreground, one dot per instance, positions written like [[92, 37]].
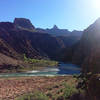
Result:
[[10, 88]]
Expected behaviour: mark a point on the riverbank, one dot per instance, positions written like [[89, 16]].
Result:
[[61, 70], [11, 88], [28, 64]]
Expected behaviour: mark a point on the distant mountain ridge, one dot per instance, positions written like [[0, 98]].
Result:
[[55, 31], [23, 23], [64, 37]]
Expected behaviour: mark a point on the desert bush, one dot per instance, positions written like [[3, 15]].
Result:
[[69, 91], [34, 96], [40, 62]]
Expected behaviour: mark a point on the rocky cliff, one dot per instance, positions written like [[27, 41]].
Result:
[[87, 51]]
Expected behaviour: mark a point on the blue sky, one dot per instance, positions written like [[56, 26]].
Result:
[[67, 14]]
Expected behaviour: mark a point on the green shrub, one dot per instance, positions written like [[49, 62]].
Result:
[[34, 96], [41, 62], [69, 91]]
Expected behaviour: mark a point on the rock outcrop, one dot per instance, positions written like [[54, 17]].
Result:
[[23, 23]]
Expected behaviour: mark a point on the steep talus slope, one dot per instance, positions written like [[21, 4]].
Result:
[[6, 60], [7, 50]]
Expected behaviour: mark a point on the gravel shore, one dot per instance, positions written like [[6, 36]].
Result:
[[10, 88]]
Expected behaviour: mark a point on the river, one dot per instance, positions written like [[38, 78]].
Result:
[[61, 70]]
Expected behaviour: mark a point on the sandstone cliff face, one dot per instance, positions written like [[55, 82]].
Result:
[[87, 52], [23, 23]]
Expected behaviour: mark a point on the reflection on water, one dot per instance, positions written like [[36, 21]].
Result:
[[61, 70]]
